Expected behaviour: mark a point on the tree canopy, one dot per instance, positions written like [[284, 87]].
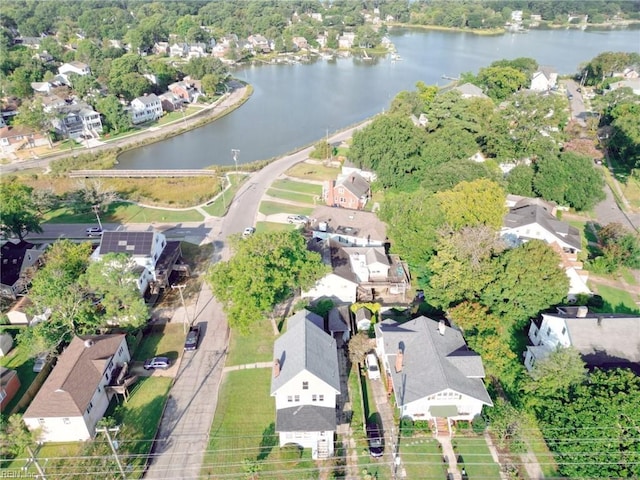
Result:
[[18, 212], [265, 269]]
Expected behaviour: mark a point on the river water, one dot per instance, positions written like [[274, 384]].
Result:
[[295, 105]]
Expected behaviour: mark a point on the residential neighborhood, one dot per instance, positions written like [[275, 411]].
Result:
[[432, 292]]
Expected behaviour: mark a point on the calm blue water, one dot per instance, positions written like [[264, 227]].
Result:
[[295, 105]]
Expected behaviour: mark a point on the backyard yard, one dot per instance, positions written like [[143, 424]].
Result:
[[474, 455]]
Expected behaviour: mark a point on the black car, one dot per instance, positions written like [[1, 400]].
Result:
[[191, 343], [157, 362], [376, 442]]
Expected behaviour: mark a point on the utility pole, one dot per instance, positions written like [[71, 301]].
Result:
[[106, 431], [224, 187], [96, 209], [180, 288], [235, 152], [34, 460]]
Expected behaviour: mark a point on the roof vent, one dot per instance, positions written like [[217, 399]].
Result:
[[582, 311], [441, 327], [88, 343], [399, 361], [276, 368]]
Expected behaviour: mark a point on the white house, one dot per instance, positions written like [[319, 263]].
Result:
[[305, 384], [340, 285], [146, 108], [544, 79], [348, 227], [78, 68], [76, 120], [432, 371], [369, 264], [76, 394], [150, 251], [20, 313], [602, 339]]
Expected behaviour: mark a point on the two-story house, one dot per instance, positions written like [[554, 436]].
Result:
[[170, 102], [348, 227], [153, 255], [145, 109], [14, 139], [18, 262], [602, 339], [544, 79], [187, 91], [432, 372], [77, 120], [77, 393], [305, 384], [78, 68], [348, 191]]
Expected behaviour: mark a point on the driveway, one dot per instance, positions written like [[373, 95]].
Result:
[[576, 102]]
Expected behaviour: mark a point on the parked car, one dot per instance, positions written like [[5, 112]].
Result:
[[94, 232], [248, 232], [373, 370], [297, 219], [376, 443], [193, 336], [157, 362], [41, 361]]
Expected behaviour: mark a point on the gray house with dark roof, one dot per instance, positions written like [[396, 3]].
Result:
[[432, 371], [18, 262], [305, 384], [76, 394]]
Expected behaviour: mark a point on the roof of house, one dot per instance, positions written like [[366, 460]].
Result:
[[354, 223], [11, 259], [305, 418], [305, 347], [602, 338], [73, 381], [333, 255], [19, 130], [354, 183], [470, 90], [530, 214], [149, 99], [431, 362], [6, 375], [546, 70], [133, 243], [371, 254], [339, 319], [305, 315]]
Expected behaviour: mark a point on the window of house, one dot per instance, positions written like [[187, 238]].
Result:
[[289, 398], [66, 421], [314, 398], [296, 398], [120, 350], [564, 330], [548, 331], [41, 421], [321, 397], [305, 385], [89, 407], [3, 394]]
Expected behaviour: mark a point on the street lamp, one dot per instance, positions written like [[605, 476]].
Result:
[[186, 313], [96, 209], [235, 152]]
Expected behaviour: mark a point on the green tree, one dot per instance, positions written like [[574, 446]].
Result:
[[18, 213], [501, 81], [620, 246], [33, 116], [265, 270], [115, 119], [480, 202], [210, 83], [520, 181], [570, 179], [528, 279], [555, 376], [15, 439], [112, 279]]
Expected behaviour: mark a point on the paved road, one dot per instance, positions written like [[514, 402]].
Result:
[[576, 102], [184, 428]]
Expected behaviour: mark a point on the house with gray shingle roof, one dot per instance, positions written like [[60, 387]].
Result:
[[348, 191], [76, 394], [605, 340], [348, 227], [305, 383], [433, 373], [544, 79], [469, 90], [146, 108]]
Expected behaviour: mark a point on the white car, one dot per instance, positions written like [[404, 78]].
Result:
[[248, 232], [373, 370], [41, 361]]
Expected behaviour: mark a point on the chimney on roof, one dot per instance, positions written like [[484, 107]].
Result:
[[353, 178], [441, 327], [88, 343], [582, 311], [276, 368], [399, 361]]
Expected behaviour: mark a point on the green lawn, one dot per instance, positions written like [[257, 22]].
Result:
[[124, 213], [168, 342], [255, 347], [292, 196], [300, 187], [271, 208], [18, 360], [422, 458], [273, 227], [218, 207], [473, 453], [243, 434], [312, 171], [616, 300], [538, 446]]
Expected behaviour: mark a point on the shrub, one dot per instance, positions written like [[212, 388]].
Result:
[[479, 424], [406, 427]]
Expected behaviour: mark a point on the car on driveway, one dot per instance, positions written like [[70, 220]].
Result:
[[297, 219], [94, 232], [157, 362], [41, 361], [193, 336], [373, 370], [248, 232], [376, 443]]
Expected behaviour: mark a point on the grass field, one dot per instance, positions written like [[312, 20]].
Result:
[[243, 438], [273, 227], [18, 360], [168, 343], [218, 207], [292, 196], [422, 458], [256, 347], [473, 453], [616, 300], [313, 171], [271, 208], [124, 213], [300, 187]]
